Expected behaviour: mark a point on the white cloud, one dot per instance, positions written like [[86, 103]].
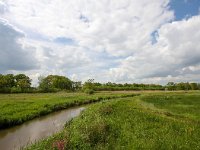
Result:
[[112, 40], [118, 27], [13, 54], [177, 48], [3, 7]]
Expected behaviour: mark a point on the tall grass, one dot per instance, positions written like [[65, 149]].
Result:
[[181, 104], [18, 108], [127, 123]]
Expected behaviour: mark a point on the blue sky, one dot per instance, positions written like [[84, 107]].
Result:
[[108, 40], [185, 8], [64, 40]]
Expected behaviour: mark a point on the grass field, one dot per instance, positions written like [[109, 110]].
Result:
[[18, 108], [150, 121]]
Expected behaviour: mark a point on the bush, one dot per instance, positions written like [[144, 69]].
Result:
[[49, 90], [16, 90], [89, 91]]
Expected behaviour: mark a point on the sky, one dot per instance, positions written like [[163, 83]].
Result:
[[121, 41]]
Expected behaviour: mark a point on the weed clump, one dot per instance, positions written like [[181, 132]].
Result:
[[98, 133], [106, 110]]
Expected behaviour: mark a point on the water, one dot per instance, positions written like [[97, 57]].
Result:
[[34, 130]]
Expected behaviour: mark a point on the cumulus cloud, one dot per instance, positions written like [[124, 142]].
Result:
[[176, 53], [3, 7], [13, 55], [109, 40], [117, 27]]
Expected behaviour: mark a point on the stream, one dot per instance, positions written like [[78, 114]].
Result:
[[29, 132]]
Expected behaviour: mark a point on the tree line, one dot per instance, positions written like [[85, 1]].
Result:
[[182, 86], [134, 86], [21, 83]]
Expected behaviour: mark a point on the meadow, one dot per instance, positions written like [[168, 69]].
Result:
[[18, 108], [161, 120]]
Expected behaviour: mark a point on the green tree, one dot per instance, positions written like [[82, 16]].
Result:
[[76, 86], [45, 84], [198, 86], [180, 86], [194, 86], [10, 80], [88, 86], [22, 81], [187, 86], [54, 82], [6, 83], [171, 86]]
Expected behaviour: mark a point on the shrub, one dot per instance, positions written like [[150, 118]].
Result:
[[89, 91], [16, 90]]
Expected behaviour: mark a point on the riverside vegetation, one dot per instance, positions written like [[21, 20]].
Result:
[[18, 108], [161, 120], [134, 118]]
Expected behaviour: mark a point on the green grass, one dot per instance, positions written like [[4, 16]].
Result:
[[18, 108], [181, 104], [142, 122]]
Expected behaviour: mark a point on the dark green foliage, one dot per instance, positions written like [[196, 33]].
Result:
[[194, 86], [89, 91], [15, 84], [53, 83], [127, 87], [16, 90], [22, 81], [89, 84], [182, 86]]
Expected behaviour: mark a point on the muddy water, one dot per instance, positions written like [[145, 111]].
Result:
[[34, 130]]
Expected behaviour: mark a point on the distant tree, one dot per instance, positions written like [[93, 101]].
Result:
[[187, 86], [198, 86], [171, 86], [2, 83], [76, 86], [62, 82], [88, 86], [180, 86], [10, 83], [194, 86], [44, 84], [53, 82], [10, 80], [6, 83], [22, 81]]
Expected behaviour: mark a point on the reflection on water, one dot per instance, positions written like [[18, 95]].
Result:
[[31, 131]]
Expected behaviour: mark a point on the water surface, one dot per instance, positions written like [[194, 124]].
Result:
[[19, 136]]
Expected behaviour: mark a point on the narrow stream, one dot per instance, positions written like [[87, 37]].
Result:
[[19, 136]]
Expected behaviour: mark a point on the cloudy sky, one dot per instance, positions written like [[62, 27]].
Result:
[[142, 41]]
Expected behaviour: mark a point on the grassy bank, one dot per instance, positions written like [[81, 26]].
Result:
[[183, 105], [18, 108], [144, 122]]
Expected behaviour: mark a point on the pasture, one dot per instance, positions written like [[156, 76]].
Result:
[[152, 120], [18, 108]]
